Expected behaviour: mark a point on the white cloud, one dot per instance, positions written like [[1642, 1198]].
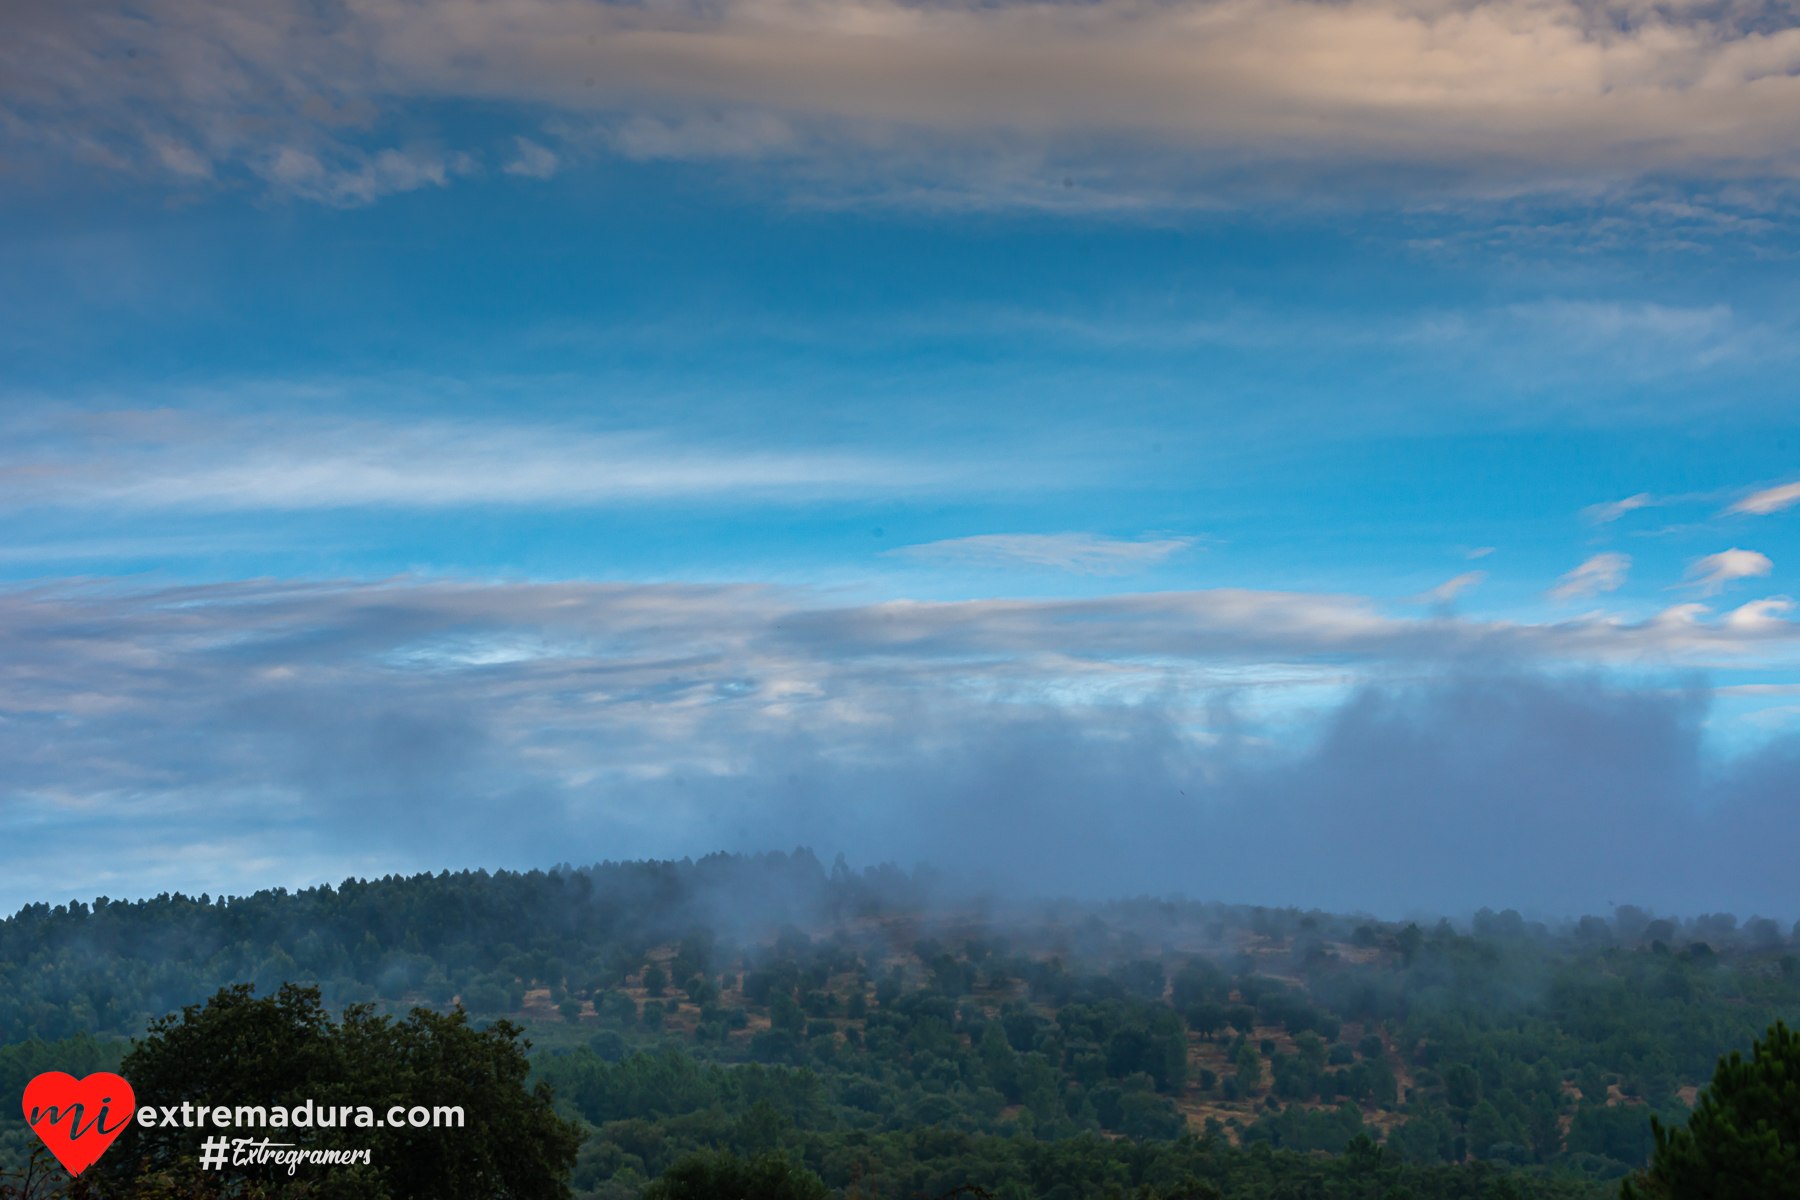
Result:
[[186, 460], [534, 161], [1769, 500], [1758, 689], [1602, 514], [1478, 552], [1713, 572], [1760, 616], [1601, 573], [1079, 553], [1450, 589]]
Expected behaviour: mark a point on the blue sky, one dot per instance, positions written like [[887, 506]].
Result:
[[1068, 442]]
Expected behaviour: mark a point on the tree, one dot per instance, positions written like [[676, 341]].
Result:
[[1743, 1141], [1249, 1068], [725, 1176], [284, 1051], [1462, 1086], [1000, 1062]]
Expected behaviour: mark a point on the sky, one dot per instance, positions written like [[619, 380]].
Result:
[[1332, 454]]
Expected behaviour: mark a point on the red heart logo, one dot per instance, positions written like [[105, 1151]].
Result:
[[78, 1118]]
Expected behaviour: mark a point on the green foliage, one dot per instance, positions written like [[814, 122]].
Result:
[[284, 1050], [1076, 1032], [1249, 1068], [724, 1176], [709, 1155], [1743, 1140], [656, 980]]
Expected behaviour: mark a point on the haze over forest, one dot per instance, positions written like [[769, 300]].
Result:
[[865, 1029]]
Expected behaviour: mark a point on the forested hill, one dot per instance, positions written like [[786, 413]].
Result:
[[107, 967], [765, 1001]]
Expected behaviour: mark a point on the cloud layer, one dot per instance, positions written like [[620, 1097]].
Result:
[[1496, 95], [235, 735]]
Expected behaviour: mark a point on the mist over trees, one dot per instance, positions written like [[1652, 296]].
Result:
[[888, 1038]]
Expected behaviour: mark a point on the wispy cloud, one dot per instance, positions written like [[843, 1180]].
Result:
[[186, 460], [533, 161], [1758, 689], [1603, 514], [1601, 573], [1450, 589], [1712, 573], [1078, 553], [1769, 500]]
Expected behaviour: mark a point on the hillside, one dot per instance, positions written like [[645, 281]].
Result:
[[762, 1002]]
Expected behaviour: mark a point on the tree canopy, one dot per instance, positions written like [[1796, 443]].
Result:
[[1743, 1140], [284, 1050]]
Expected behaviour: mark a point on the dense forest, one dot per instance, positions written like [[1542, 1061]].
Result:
[[901, 1044]]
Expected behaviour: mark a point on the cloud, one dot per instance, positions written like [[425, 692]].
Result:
[[1492, 96], [1078, 553], [1450, 589], [241, 735], [720, 135], [1758, 689], [1601, 573], [1478, 552], [1713, 572], [1602, 514], [187, 460], [350, 179], [1769, 500], [534, 161]]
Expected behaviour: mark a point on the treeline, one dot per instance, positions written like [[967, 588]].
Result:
[[111, 966]]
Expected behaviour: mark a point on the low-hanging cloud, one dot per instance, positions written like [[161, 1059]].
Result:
[[1497, 95], [1274, 746]]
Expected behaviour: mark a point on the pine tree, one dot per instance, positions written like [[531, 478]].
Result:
[[1743, 1141]]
